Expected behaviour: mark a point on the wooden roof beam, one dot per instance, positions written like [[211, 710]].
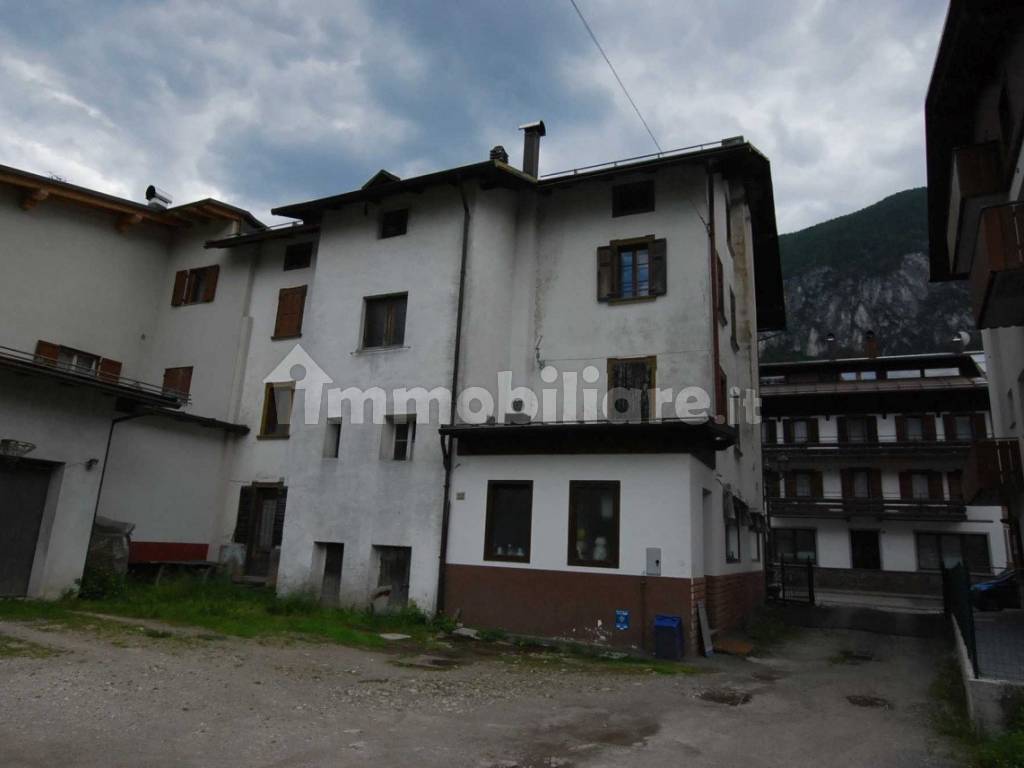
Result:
[[31, 199]]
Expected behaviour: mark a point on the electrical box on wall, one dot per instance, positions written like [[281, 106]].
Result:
[[653, 561]]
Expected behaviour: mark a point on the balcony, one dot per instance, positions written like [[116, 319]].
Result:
[[993, 472], [880, 508], [997, 274], [975, 183], [886, 445]]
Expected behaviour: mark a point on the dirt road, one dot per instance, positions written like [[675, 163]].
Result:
[[133, 696]]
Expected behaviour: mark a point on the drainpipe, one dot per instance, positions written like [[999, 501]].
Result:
[[447, 443], [103, 473]]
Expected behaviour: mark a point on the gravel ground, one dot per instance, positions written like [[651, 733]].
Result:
[[138, 693]]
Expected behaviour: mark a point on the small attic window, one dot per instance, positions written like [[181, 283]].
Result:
[[298, 256], [394, 223], [636, 197]]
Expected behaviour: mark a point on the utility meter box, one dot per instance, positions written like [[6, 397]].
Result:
[[653, 561]]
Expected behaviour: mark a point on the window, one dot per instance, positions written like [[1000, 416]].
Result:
[[919, 485], [962, 427], [509, 511], [76, 361], [178, 381], [858, 376], [755, 546], [195, 286], [732, 321], [277, 409], [594, 523], [856, 430], [861, 483], [800, 431], [803, 483], [399, 436], [636, 197], [298, 256], [395, 564], [291, 304], [394, 223], [332, 440], [903, 374], [630, 383], [332, 555], [795, 544], [865, 551], [384, 321], [631, 269], [938, 550], [940, 373], [769, 432], [914, 428], [732, 541]]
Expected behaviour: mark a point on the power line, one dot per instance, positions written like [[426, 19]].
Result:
[[616, 74]]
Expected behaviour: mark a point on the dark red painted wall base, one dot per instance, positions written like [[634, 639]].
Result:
[[151, 551], [566, 604], [730, 599]]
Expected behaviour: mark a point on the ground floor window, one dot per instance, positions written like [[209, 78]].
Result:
[[732, 541], [755, 546], [865, 551], [935, 550], [594, 523], [795, 544], [509, 511]]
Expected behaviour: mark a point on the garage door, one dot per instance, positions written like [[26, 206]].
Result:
[[22, 499]]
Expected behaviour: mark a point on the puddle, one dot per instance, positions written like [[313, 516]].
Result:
[[728, 696], [869, 701]]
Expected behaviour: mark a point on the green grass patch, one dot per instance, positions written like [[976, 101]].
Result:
[[767, 629], [11, 647], [949, 717], [225, 608]]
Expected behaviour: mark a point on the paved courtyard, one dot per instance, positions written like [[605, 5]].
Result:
[[151, 696]]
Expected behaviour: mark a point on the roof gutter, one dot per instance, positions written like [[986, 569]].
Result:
[[448, 441]]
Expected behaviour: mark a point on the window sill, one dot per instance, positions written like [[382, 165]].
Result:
[[733, 561], [506, 559], [379, 350], [631, 299], [284, 338], [573, 564], [272, 437]]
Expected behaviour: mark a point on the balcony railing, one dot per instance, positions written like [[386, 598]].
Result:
[[975, 183], [18, 359], [997, 274], [880, 507], [993, 472], [826, 446]]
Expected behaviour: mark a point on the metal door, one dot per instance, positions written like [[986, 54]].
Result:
[[23, 486]]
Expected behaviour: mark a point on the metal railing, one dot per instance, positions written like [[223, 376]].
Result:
[[693, 148], [19, 358], [791, 580], [845, 506], [883, 441]]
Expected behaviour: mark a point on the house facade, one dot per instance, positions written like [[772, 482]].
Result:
[[864, 474], [599, 460], [974, 120]]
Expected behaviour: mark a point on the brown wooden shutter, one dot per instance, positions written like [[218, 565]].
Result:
[[210, 287], [979, 426], [110, 370], [178, 380], [841, 431], [812, 430], [906, 486], [47, 352], [659, 278], [282, 498], [817, 485], [772, 484], [180, 286], [771, 432], [246, 500], [605, 273], [846, 480], [790, 484], [875, 483], [928, 427], [955, 480], [872, 433], [901, 428], [934, 485], [171, 379], [787, 431], [291, 303]]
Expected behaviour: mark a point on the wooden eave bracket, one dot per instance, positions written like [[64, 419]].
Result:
[[33, 198], [127, 220]]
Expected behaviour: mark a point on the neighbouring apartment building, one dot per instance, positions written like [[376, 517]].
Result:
[[974, 119], [864, 473], [609, 282]]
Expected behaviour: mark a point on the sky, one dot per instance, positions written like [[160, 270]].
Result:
[[262, 104]]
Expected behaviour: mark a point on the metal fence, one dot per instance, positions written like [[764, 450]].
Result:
[[790, 580]]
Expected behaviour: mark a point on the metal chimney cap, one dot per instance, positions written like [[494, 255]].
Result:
[[534, 127]]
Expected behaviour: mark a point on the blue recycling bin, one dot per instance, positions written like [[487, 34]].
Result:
[[668, 637]]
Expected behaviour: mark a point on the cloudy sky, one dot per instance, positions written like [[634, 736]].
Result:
[[266, 103]]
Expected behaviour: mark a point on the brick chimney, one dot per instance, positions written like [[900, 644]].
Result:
[[870, 344]]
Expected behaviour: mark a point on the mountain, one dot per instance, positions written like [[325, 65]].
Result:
[[867, 271]]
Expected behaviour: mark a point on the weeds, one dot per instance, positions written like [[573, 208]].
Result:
[[767, 629]]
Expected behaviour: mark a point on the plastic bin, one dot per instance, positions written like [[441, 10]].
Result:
[[668, 637]]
